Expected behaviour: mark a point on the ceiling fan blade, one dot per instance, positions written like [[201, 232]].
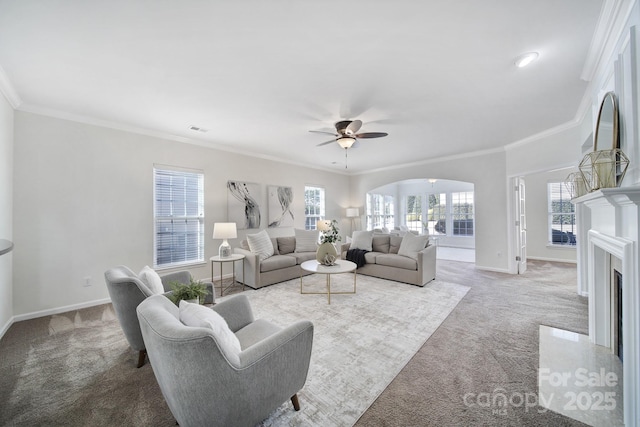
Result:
[[322, 131], [326, 142], [353, 127], [371, 135]]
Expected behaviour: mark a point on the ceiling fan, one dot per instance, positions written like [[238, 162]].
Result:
[[346, 135]]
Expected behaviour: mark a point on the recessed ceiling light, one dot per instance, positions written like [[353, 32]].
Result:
[[526, 59]]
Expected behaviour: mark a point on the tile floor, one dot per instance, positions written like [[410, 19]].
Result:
[[579, 379]]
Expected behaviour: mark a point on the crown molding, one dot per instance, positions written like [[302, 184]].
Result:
[[613, 18], [7, 89], [544, 134], [434, 160]]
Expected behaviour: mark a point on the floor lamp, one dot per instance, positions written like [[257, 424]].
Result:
[[353, 213]]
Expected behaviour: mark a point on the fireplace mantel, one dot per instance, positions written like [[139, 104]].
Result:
[[608, 224]]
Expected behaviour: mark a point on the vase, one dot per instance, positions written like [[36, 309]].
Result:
[[326, 249]]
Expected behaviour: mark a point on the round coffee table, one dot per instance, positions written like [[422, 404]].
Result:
[[341, 266]]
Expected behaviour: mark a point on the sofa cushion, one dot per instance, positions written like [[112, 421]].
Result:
[[260, 244], [286, 245], [362, 240], [370, 257], [380, 244], [398, 261], [197, 315], [394, 244], [152, 280], [306, 240], [277, 262], [274, 242], [411, 244], [302, 256]]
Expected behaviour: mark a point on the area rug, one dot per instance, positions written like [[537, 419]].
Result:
[[361, 341], [76, 368]]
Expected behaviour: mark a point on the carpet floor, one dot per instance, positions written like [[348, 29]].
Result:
[[487, 344]]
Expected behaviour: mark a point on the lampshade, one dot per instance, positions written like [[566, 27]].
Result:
[[353, 212], [323, 225], [224, 230], [346, 142]]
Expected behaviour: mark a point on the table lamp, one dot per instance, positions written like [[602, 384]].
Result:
[[224, 231]]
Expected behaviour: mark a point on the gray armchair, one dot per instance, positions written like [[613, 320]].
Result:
[[127, 291], [201, 386]]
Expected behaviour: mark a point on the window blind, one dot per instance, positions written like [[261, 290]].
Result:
[[179, 217]]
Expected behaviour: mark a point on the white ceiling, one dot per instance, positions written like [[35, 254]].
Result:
[[438, 76]]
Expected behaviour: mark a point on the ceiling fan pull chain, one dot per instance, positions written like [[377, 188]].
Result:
[[346, 150]]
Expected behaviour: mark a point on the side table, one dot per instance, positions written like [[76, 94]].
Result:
[[232, 259]]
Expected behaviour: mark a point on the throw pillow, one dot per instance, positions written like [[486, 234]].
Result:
[[411, 244], [362, 240], [150, 278], [286, 245], [306, 240], [260, 244], [197, 315]]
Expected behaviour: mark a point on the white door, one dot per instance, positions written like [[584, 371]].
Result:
[[521, 226]]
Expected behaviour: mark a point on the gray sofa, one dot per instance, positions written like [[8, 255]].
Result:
[[384, 262], [283, 265]]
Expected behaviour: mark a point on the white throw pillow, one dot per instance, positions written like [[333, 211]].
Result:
[[149, 277], [362, 240], [411, 244], [197, 315], [260, 244], [306, 240]]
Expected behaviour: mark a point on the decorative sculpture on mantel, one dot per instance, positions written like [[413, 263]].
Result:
[[604, 168]]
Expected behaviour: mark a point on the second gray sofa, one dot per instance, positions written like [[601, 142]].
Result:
[[384, 262]]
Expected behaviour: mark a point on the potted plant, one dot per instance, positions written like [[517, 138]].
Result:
[[327, 252], [194, 291]]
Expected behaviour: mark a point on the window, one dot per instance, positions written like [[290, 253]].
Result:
[[380, 211], [414, 218], [462, 213], [437, 213], [562, 216], [313, 206], [179, 217]]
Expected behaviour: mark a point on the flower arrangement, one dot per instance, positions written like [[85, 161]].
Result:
[[332, 234]]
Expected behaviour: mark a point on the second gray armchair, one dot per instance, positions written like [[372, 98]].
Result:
[[127, 291]]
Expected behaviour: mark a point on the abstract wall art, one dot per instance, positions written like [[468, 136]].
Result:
[[243, 204], [280, 200]]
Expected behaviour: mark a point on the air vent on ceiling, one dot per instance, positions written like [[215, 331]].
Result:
[[198, 129]]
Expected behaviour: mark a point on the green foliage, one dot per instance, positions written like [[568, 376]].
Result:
[[332, 235], [181, 291]]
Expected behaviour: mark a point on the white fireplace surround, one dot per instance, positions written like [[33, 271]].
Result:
[[609, 225]]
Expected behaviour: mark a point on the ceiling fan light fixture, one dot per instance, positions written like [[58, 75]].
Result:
[[346, 142], [526, 59]]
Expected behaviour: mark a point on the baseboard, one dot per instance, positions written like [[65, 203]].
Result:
[[7, 325], [567, 261], [59, 310], [496, 270]]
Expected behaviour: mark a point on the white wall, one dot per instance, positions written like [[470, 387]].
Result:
[[84, 204], [488, 174], [537, 218], [6, 211]]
